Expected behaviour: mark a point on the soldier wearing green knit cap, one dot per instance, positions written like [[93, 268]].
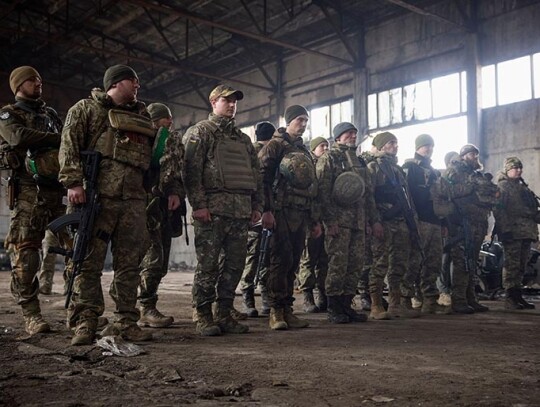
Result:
[[166, 192]]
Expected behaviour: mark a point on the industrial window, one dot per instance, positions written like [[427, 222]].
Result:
[[323, 119], [511, 81], [440, 97]]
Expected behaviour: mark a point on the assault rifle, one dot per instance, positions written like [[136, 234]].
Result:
[[82, 219], [404, 204], [263, 253]]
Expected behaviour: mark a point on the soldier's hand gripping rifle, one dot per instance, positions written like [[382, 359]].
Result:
[[263, 253], [404, 203], [82, 219]]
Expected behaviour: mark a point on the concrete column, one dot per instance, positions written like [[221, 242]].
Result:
[[360, 97], [474, 93]]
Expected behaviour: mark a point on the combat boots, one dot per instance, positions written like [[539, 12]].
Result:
[[309, 302], [431, 306], [400, 307], [152, 318], [34, 324], [322, 302], [265, 307], [128, 331], [226, 322], [292, 320], [522, 301], [512, 300], [461, 308], [377, 308], [365, 301], [205, 322], [249, 302], [277, 319], [335, 311], [347, 301], [473, 303], [239, 316], [84, 333]]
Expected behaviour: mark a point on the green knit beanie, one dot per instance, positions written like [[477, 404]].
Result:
[[423, 140], [382, 138], [316, 141], [292, 112], [117, 73], [158, 111]]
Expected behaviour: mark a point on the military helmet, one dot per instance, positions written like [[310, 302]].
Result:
[[348, 189], [297, 169]]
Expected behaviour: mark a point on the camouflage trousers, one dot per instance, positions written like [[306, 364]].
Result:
[[34, 209], [247, 282], [123, 223], [516, 254], [287, 244], [363, 281], [221, 254], [345, 261], [390, 256], [48, 260], [155, 263], [463, 280], [424, 280], [313, 265], [444, 280]]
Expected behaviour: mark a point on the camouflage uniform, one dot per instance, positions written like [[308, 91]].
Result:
[[252, 256], [230, 209], [420, 176], [121, 220], [346, 249], [162, 225], [30, 125], [391, 253], [292, 209], [473, 196], [516, 216], [48, 263], [313, 269]]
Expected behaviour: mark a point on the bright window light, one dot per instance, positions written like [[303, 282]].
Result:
[[319, 123], [396, 102], [514, 80], [489, 94], [372, 111], [536, 77], [463, 92], [422, 109], [384, 109], [446, 98]]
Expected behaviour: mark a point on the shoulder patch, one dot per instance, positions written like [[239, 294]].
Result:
[[4, 115], [68, 118]]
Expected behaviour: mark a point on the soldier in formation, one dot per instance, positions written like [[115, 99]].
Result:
[[314, 262], [164, 210], [222, 182], [29, 140], [114, 123]]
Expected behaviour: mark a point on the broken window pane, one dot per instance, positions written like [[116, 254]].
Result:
[[409, 96], [395, 105], [384, 109]]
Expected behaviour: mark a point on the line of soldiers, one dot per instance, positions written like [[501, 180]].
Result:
[[346, 203]]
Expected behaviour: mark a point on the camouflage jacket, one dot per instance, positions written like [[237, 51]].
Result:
[[171, 166], [420, 177], [516, 211], [384, 191], [472, 194], [86, 122], [329, 167], [29, 125], [258, 146], [277, 193], [202, 174]]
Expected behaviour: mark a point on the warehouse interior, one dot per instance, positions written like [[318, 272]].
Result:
[[463, 71]]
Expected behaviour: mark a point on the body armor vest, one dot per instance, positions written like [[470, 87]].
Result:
[[349, 187]]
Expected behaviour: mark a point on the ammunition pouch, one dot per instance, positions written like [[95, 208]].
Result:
[[298, 170], [234, 167], [12, 191], [43, 165], [391, 213], [128, 140], [9, 160]]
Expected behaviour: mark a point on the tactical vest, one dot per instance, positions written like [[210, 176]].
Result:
[[128, 139], [349, 187], [232, 167], [442, 203]]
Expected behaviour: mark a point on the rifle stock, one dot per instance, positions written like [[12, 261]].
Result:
[[263, 253]]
